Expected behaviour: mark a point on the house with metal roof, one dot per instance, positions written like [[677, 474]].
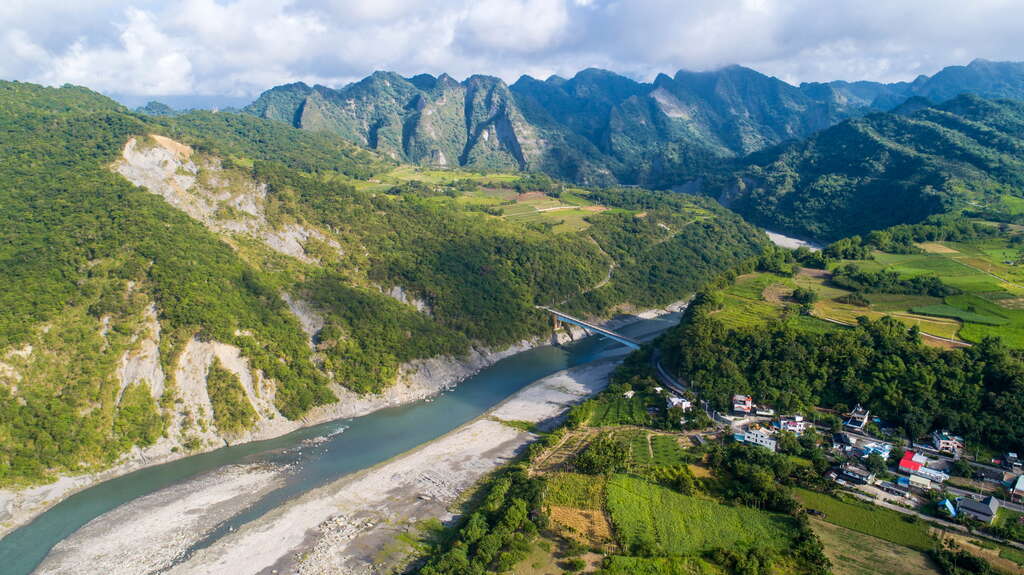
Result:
[[984, 510]]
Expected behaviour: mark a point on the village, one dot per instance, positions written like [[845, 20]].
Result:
[[935, 479]]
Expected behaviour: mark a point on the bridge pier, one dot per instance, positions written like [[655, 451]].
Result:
[[558, 318]]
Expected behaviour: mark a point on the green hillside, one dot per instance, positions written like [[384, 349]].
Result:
[[887, 169], [92, 268]]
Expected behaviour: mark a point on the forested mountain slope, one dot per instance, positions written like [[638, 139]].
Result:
[[887, 169], [599, 127], [261, 271]]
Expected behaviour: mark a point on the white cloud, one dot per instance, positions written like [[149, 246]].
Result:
[[240, 47], [144, 58]]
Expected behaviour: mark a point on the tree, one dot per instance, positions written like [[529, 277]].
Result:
[[875, 463], [603, 455]]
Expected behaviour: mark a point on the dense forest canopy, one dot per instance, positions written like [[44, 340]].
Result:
[[887, 169], [976, 391], [85, 256]]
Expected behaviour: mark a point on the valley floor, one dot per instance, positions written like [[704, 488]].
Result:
[[356, 524]]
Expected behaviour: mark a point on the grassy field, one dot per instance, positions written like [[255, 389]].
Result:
[[992, 303], [650, 516], [854, 553], [993, 300], [575, 490], [621, 411], [567, 213], [868, 519], [659, 566]]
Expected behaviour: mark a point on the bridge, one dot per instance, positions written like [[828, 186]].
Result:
[[559, 316]]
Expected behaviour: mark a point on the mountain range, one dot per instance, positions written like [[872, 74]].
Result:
[[599, 127]]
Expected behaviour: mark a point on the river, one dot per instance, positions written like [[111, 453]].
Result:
[[350, 445]]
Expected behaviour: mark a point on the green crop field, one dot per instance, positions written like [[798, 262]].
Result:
[[869, 519], [944, 310], [619, 411], [639, 450], [575, 490], [618, 565], [666, 450], [653, 517]]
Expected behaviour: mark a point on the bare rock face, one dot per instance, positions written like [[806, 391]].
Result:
[[142, 364], [225, 201], [400, 294]]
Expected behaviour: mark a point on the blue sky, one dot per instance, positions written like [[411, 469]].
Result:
[[239, 48]]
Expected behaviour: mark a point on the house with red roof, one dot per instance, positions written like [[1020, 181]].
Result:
[[911, 462]]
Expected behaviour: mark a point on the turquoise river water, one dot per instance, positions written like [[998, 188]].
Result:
[[352, 445]]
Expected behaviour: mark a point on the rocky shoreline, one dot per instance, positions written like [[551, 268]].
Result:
[[348, 526], [417, 380]]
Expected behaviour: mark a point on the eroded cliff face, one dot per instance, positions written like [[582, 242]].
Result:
[[226, 201], [174, 368]]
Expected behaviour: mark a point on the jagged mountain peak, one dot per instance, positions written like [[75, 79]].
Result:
[[598, 122]]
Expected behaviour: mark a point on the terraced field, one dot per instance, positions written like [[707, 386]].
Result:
[[992, 303]]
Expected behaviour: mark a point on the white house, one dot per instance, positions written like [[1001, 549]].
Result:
[[742, 404], [794, 424], [945, 441], [763, 436], [680, 402]]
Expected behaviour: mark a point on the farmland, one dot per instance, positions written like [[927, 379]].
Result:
[[985, 270], [648, 516], [854, 553], [621, 410], [868, 519], [494, 192], [659, 566], [575, 490], [992, 302]]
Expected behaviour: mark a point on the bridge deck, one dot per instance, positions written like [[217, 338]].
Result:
[[627, 341]]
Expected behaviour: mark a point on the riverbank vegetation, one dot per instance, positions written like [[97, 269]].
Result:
[[637, 498], [85, 252]]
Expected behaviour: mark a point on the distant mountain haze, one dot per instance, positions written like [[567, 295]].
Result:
[[599, 127]]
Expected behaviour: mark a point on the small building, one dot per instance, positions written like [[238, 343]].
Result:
[[658, 389], [629, 394], [922, 483], [914, 464], [764, 411], [878, 447], [947, 506], [794, 424], [742, 404], [947, 442], [843, 442], [911, 462], [858, 418], [1017, 491], [758, 435], [894, 488], [984, 510], [853, 473], [1011, 461], [932, 474], [680, 402]]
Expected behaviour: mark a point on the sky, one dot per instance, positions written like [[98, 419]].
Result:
[[238, 48]]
